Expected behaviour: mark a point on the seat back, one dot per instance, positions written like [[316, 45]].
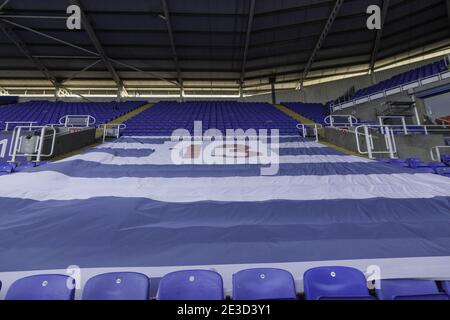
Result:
[[42, 287], [335, 283], [263, 284], [191, 285], [117, 286], [409, 290]]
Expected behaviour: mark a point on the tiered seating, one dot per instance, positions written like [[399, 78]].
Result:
[[322, 283], [45, 112], [399, 80], [165, 117], [313, 111]]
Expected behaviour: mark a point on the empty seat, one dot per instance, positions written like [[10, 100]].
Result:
[[335, 283], [42, 287], [117, 286], [191, 285], [409, 290], [263, 284]]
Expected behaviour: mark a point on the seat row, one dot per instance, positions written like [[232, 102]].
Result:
[[398, 80], [323, 283]]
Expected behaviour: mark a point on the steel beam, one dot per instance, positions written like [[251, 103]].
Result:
[[251, 16], [376, 45], [7, 30], [320, 41], [98, 46], [172, 42]]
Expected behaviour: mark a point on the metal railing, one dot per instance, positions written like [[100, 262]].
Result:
[[352, 121], [403, 119], [7, 123], [389, 131], [112, 130], [437, 151], [17, 142], [389, 138], [304, 130], [79, 121]]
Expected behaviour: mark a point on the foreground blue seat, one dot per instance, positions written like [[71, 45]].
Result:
[[117, 286], [42, 287], [263, 284], [409, 290], [335, 283], [191, 285]]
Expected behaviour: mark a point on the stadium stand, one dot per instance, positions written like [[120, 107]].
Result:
[[165, 117], [45, 112], [313, 111], [161, 211], [405, 80]]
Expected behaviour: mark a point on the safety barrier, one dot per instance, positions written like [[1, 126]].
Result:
[[35, 143], [388, 132], [7, 123], [351, 120], [304, 130], [112, 130], [78, 121]]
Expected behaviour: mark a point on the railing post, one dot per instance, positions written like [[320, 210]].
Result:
[[405, 129], [368, 143], [390, 144]]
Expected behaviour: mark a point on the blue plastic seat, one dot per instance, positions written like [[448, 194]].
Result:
[[335, 283], [117, 286], [263, 284], [191, 285], [409, 290], [42, 287]]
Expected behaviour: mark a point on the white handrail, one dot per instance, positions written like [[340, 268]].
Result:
[[391, 146], [438, 152], [66, 120], [403, 118], [303, 128], [7, 123], [352, 120], [120, 126], [18, 139]]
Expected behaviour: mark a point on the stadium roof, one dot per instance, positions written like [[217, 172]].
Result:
[[207, 46]]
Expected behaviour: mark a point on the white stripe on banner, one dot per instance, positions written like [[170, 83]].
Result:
[[137, 145], [164, 158], [42, 186]]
